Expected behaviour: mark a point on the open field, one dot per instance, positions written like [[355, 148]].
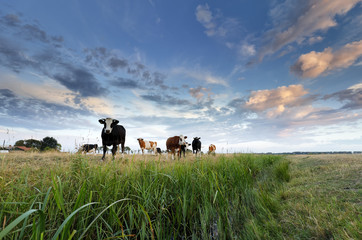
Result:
[[235, 196], [323, 199]]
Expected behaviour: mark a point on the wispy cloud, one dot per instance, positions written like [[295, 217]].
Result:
[[351, 97], [206, 18], [296, 22], [202, 75], [313, 64], [215, 24], [16, 111]]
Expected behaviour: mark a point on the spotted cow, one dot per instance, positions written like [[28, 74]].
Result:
[[148, 145], [212, 148]]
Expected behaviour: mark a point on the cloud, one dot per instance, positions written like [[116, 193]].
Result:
[[276, 99], [116, 63], [18, 111], [79, 80], [52, 92], [313, 64], [247, 50], [315, 39], [215, 24], [298, 21], [201, 75], [351, 96], [125, 83], [204, 16], [166, 100], [198, 92], [28, 31]]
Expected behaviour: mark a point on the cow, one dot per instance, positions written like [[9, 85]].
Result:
[[112, 135], [173, 145], [88, 147], [149, 145], [159, 150], [212, 148], [196, 146], [183, 149]]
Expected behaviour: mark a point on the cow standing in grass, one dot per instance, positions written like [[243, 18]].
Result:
[[173, 145], [89, 147], [112, 135], [212, 149], [148, 145], [196, 146]]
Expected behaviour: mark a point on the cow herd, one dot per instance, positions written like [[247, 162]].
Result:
[[114, 135]]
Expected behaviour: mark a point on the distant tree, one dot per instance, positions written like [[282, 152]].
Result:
[[32, 143], [59, 147], [49, 143], [127, 149], [19, 143]]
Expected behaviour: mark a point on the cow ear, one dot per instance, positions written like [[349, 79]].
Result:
[[115, 121], [101, 121], [185, 137]]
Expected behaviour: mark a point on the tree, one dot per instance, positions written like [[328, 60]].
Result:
[[127, 149], [49, 143], [45, 144], [32, 143], [19, 143]]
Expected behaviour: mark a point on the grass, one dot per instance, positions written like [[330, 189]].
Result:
[[64, 196], [323, 198], [235, 196]]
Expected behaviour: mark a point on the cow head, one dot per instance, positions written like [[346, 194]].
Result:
[[182, 140], [108, 123]]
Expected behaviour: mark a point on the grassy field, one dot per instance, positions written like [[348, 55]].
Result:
[[323, 199], [236, 196]]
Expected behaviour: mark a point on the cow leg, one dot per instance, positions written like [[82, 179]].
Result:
[[114, 150], [122, 146], [104, 151]]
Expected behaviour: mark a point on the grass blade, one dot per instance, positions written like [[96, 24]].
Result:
[[95, 219], [16, 222], [68, 219]]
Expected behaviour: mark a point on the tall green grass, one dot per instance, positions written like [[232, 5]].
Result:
[[78, 197]]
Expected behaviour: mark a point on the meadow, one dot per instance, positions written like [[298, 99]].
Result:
[[234, 196]]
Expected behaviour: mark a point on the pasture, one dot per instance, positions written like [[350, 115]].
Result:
[[235, 196]]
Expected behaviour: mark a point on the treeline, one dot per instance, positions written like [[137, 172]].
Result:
[[316, 153], [46, 144]]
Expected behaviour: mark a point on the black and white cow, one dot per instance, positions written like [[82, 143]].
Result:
[[184, 148], [88, 147], [112, 135], [196, 146]]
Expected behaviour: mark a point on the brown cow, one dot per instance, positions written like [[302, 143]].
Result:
[[149, 145], [212, 148], [173, 145]]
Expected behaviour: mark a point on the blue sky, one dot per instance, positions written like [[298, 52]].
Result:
[[247, 76]]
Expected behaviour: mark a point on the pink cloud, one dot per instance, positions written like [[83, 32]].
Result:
[[313, 64]]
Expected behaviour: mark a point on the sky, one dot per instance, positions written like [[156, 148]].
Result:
[[247, 76]]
